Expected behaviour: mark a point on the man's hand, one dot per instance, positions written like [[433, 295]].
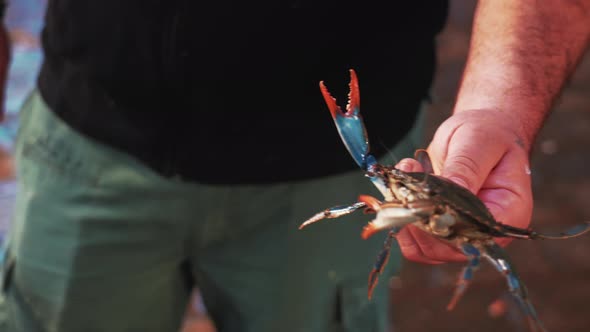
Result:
[[482, 150], [521, 54]]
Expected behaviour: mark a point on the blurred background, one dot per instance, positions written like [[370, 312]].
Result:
[[557, 273]]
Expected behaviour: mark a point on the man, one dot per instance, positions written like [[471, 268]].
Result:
[[171, 144]]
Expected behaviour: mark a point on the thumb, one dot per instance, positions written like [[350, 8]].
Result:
[[465, 161], [465, 169]]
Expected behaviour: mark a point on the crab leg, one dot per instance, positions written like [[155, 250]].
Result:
[[382, 259], [466, 275], [423, 158], [496, 255], [335, 212], [522, 233]]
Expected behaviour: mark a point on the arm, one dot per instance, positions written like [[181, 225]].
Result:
[[521, 55]]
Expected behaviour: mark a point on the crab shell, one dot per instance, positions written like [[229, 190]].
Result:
[[434, 204]]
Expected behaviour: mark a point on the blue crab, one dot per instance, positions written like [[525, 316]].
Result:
[[434, 204]]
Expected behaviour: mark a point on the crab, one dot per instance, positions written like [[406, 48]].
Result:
[[434, 204]]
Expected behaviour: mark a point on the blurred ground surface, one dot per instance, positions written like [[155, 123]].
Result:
[[557, 273]]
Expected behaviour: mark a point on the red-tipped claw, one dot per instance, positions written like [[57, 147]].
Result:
[[353, 105], [350, 124]]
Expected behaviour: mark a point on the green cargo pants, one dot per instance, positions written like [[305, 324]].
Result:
[[100, 243]]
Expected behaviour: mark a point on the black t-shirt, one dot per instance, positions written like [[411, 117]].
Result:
[[223, 92]]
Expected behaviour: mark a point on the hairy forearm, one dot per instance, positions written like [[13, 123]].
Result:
[[522, 52]]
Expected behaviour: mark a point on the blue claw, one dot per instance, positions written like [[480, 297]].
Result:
[[350, 124]]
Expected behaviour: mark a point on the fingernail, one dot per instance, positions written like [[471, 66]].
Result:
[[404, 166]]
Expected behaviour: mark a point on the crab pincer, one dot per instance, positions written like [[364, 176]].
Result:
[[350, 124]]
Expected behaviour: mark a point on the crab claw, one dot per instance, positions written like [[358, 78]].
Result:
[[389, 215], [335, 212], [350, 124]]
